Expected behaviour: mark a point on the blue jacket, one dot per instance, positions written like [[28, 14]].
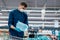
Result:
[[14, 17]]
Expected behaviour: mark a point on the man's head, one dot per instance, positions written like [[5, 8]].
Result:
[[22, 5]]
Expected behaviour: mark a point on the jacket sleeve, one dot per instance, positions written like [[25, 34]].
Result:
[[26, 19], [10, 20]]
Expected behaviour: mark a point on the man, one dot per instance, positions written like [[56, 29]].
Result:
[[15, 16]]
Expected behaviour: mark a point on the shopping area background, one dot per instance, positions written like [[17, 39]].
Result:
[[43, 17]]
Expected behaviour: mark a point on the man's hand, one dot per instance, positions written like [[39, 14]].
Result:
[[17, 29], [26, 33], [12, 27]]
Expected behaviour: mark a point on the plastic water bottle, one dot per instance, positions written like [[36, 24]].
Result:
[[56, 32], [53, 32], [59, 35]]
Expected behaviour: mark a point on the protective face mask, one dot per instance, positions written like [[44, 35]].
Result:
[[22, 10]]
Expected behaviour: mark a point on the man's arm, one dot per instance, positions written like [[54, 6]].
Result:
[[26, 22], [10, 21], [26, 19]]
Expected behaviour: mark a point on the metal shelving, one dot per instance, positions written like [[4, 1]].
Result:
[[37, 20]]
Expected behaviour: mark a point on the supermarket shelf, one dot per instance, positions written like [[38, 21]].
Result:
[[36, 18]]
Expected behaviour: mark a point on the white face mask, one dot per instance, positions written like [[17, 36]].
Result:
[[22, 10]]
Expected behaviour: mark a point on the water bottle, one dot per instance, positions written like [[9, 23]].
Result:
[[59, 35], [53, 32]]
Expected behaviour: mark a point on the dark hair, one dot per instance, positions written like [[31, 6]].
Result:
[[24, 4]]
